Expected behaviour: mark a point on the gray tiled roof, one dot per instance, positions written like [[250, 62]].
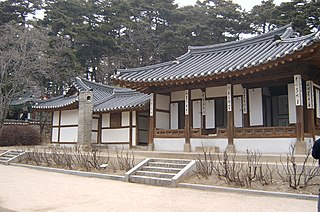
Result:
[[105, 97], [56, 102], [202, 61], [122, 100]]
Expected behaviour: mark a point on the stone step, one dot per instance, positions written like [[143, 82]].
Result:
[[160, 169], [6, 156], [169, 165], [10, 155], [150, 180], [155, 174], [185, 162]]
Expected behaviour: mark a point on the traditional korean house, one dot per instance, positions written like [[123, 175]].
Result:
[[260, 93], [92, 113]]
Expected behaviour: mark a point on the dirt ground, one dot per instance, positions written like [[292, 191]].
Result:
[[23, 189]]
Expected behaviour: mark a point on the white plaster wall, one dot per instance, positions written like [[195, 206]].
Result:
[[55, 118], [68, 134], [219, 91], [237, 90], [94, 138], [255, 107], [69, 117], [125, 119], [162, 120], [95, 124], [218, 142], [134, 140], [55, 131], [264, 145], [106, 120], [169, 144], [162, 102], [177, 96], [134, 118], [115, 135], [196, 94], [291, 104]]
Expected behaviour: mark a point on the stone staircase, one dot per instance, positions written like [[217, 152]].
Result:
[[160, 172], [10, 155]]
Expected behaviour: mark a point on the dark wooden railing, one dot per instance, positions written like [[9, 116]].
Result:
[[249, 132], [263, 132], [179, 133]]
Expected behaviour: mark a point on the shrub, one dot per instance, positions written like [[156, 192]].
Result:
[[14, 135]]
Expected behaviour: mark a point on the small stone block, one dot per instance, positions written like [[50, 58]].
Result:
[[105, 165]]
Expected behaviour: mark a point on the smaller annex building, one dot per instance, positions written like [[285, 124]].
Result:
[[93, 113], [260, 93]]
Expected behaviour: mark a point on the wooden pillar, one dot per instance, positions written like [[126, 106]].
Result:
[[203, 111], [99, 128], [187, 122], [300, 144], [59, 126], [130, 130], [152, 114], [310, 109], [245, 107], [230, 116]]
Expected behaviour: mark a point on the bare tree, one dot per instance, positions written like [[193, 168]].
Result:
[[21, 53], [29, 57]]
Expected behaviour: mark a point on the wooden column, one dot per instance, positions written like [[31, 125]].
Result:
[[152, 118], [230, 116], [130, 130], [203, 111], [300, 144], [99, 128], [245, 107], [310, 109], [187, 122]]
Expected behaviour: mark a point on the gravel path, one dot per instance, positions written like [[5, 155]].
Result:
[[23, 189]]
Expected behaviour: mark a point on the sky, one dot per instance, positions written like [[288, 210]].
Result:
[[245, 4]]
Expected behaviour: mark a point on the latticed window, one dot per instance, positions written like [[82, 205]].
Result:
[[115, 120]]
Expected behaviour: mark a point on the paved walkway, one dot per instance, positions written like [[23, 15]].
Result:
[[23, 189]]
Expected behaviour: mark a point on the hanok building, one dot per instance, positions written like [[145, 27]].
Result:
[[259, 93], [92, 113]]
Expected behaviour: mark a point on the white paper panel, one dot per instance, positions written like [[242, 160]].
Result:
[[196, 106], [237, 104], [162, 120], [255, 107], [163, 102], [210, 116], [318, 103], [292, 104], [174, 116]]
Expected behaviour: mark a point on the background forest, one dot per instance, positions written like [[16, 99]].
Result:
[[92, 38]]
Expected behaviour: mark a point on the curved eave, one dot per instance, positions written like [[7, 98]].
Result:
[[268, 64], [56, 107], [141, 106]]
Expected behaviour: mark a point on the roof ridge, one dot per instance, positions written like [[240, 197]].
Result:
[[285, 31], [84, 82]]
